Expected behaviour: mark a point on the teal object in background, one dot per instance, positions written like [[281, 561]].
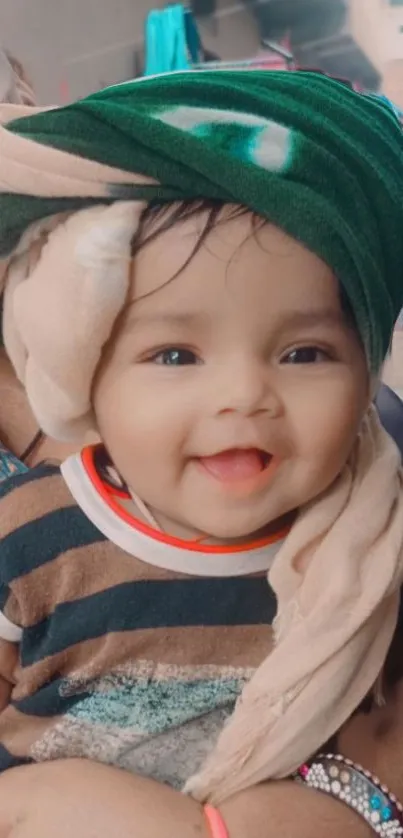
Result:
[[9, 464], [172, 41]]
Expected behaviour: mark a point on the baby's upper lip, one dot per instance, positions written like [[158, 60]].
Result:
[[252, 447]]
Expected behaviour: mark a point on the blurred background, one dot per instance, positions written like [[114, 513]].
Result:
[[71, 49]]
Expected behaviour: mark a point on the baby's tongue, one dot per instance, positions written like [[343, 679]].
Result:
[[236, 464]]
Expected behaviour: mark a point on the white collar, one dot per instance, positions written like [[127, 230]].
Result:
[[157, 549]]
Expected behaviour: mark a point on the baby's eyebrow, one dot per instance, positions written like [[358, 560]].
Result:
[[171, 318], [292, 319], [313, 317]]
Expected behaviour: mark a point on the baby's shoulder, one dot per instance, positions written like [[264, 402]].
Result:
[[38, 509], [29, 496]]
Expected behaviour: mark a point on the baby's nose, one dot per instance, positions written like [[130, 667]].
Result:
[[245, 387]]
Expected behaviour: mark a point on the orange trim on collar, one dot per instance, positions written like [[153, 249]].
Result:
[[107, 495]]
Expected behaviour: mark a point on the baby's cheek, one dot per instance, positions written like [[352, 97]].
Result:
[[325, 433]]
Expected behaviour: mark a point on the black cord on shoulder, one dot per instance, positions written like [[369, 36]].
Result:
[[37, 439]]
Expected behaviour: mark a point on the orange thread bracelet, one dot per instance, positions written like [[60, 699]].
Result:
[[215, 822]]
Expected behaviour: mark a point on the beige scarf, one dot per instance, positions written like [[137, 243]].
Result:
[[337, 580], [337, 577]]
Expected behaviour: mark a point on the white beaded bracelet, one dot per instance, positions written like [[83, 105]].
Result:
[[357, 788]]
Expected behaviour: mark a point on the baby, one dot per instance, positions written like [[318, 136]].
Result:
[[205, 272]]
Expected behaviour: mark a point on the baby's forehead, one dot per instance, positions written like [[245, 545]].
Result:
[[161, 258], [182, 272], [183, 256]]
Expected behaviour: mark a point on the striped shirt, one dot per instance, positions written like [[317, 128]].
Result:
[[133, 647]]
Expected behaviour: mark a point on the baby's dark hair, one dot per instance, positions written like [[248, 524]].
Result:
[[157, 218]]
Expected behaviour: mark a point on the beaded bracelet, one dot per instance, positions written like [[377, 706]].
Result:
[[359, 789]]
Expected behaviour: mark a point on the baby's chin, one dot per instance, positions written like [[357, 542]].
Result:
[[225, 527], [234, 530], [233, 533]]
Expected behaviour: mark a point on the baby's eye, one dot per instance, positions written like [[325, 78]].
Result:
[[175, 357], [306, 355]]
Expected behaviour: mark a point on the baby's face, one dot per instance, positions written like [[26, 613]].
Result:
[[231, 394]]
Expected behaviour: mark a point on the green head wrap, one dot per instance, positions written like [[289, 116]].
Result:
[[306, 152]]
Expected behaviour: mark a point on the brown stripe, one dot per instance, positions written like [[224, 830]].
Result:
[[76, 574], [239, 646], [31, 501]]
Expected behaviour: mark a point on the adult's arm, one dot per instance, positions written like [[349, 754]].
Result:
[[87, 800]]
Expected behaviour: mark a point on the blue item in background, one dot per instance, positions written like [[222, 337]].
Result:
[[172, 41], [9, 464]]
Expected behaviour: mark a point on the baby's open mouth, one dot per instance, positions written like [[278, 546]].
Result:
[[236, 463]]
